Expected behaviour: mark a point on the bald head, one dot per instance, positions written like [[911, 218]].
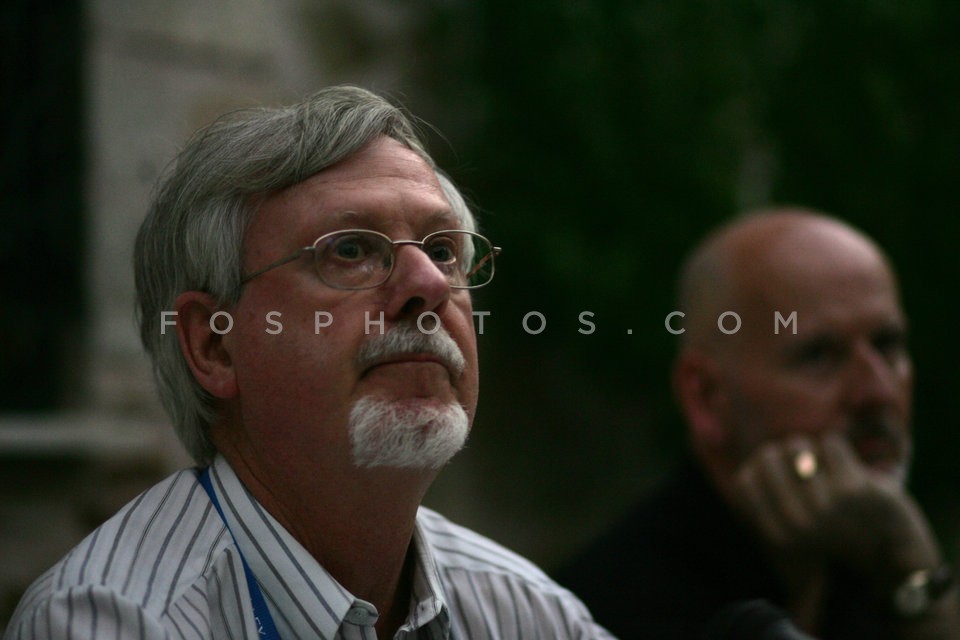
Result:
[[763, 259], [842, 366]]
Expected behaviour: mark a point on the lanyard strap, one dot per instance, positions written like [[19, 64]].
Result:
[[261, 614]]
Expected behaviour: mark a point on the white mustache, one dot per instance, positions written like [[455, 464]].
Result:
[[407, 338]]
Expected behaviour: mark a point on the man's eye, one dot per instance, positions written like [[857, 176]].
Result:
[[891, 343], [352, 248], [819, 354], [442, 250]]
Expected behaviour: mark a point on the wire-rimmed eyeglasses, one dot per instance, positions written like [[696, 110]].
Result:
[[363, 259]]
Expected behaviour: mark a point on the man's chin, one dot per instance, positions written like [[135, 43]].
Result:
[[412, 433]]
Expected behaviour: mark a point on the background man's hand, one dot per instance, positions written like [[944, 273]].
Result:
[[816, 496]]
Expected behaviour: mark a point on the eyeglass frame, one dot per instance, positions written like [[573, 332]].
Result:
[[494, 252]]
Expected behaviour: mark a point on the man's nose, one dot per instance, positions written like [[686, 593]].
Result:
[[416, 285]]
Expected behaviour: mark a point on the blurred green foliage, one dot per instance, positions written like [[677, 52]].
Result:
[[602, 139]]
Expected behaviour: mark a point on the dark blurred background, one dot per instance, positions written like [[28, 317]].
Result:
[[598, 140], [602, 139]]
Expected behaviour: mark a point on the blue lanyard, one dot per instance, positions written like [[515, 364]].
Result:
[[261, 614]]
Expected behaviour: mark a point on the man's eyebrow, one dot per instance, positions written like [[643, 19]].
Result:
[[815, 336], [820, 337], [899, 330], [900, 323], [445, 216], [349, 217], [829, 337]]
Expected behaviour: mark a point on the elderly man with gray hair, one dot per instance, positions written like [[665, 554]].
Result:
[[304, 282]]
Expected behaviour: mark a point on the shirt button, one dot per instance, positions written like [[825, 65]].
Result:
[[361, 616]]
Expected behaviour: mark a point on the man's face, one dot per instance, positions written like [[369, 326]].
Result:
[[298, 387], [846, 370]]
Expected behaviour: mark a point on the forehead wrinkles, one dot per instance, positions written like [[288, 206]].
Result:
[[382, 160], [301, 209], [379, 194]]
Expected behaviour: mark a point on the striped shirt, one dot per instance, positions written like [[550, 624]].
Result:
[[166, 566]]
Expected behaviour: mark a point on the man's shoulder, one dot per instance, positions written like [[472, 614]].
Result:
[[490, 587], [149, 552], [457, 548]]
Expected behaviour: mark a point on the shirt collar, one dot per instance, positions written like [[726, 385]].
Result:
[[304, 599], [430, 604]]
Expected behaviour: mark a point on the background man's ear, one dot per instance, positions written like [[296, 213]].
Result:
[[202, 347], [702, 398]]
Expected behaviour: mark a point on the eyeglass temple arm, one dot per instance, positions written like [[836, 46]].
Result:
[[495, 251], [273, 265]]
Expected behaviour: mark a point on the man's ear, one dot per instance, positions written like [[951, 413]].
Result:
[[702, 397], [202, 347]]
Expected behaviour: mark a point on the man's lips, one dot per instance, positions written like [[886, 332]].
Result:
[[877, 450], [410, 359]]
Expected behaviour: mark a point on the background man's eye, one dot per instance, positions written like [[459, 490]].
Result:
[[820, 354], [890, 343]]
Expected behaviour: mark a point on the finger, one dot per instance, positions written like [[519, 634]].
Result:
[[755, 504], [806, 460], [777, 476], [841, 463]]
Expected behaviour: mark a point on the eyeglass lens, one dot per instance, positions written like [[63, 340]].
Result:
[[359, 259]]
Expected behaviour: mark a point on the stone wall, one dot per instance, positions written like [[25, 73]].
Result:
[[155, 71]]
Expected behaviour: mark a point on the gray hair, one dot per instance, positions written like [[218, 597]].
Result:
[[192, 237]]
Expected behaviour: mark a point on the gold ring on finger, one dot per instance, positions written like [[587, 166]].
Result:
[[805, 464]]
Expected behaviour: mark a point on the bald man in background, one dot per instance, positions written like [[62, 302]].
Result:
[[795, 491]]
